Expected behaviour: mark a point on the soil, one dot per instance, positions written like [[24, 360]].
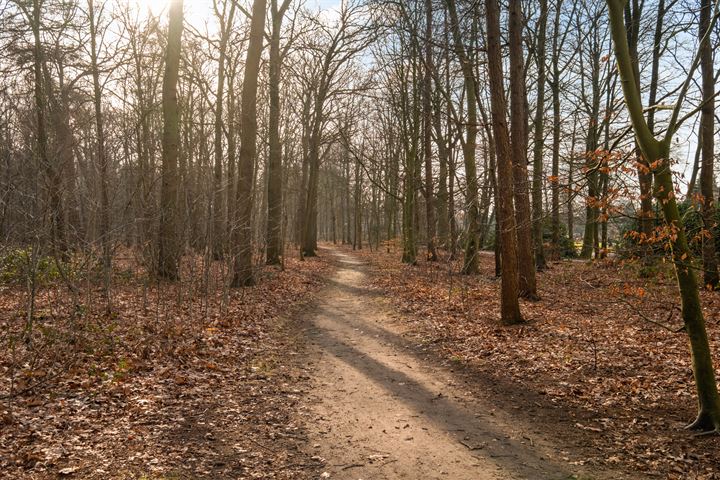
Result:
[[383, 407]]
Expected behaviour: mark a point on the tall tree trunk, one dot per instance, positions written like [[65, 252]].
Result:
[[57, 233], [555, 174], [539, 138], [102, 160], [243, 274], [346, 200], [274, 173], [358, 216], [218, 217], [510, 288], [232, 152], [168, 244], [309, 239], [302, 192], [707, 174], [427, 134], [443, 230], [633, 12], [571, 195], [592, 212], [472, 249], [696, 166], [518, 146], [657, 153]]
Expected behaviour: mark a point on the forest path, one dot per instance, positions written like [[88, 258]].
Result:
[[381, 411]]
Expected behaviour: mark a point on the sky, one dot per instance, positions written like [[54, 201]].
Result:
[[198, 11]]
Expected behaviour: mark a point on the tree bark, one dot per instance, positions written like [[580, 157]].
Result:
[[427, 135], [510, 288], [518, 151], [707, 117], [218, 218], [539, 138], [472, 248], [102, 160], [555, 173], [168, 244], [274, 189], [243, 272]]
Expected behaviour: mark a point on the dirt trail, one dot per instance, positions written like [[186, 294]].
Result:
[[380, 412]]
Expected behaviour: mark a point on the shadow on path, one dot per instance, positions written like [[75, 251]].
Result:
[[383, 412]]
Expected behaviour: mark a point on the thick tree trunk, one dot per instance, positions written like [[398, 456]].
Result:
[[510, 288], [243, 271], [168, 244], [518, 147], [274, 189], [309, 239]]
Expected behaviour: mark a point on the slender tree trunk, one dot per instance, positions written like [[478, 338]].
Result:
[[427, 134], [357, 239], [555, 174], [707, 174], [592, 212], [443, 229], [57, 233], [470, 264], [657, 153], [692, 184], [232, 153], [101, 155], [539, 138], [218, 218], [346, 200]]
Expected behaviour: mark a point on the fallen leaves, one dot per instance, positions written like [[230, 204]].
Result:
[[176, 383]]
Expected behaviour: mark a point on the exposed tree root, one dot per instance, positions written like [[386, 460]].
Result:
[[704, 425]]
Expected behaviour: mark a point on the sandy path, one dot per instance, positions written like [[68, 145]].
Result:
[[380, 412]]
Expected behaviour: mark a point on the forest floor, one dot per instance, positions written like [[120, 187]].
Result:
[[352, 365], [182, 381]]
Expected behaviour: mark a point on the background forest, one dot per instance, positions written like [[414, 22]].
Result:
[[170, 171]]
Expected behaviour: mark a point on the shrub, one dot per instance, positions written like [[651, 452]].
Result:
[[18, 264]]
